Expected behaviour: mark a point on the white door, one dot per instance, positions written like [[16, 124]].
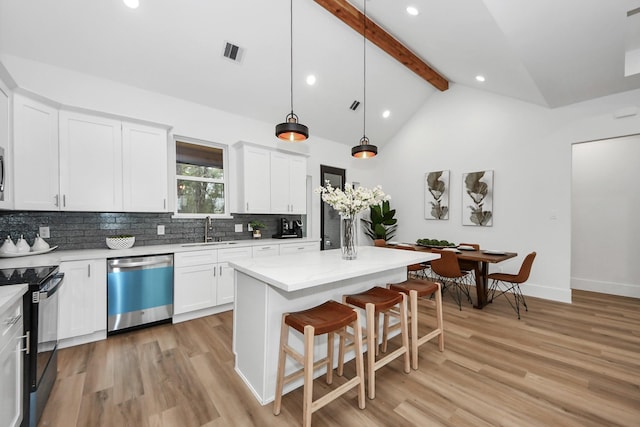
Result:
[[6, 201], [35, 155], [256, 187], [298, 185], [280, 184], [144, 165], [194, 288], [90, 162], [77, 300]]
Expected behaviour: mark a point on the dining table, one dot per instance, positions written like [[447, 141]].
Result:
[[478, 260]]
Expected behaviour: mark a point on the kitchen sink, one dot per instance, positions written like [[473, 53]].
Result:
[[209, 244]]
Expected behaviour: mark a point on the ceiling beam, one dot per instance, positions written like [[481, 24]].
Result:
[[385, 41]]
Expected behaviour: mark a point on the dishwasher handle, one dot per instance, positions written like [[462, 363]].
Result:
[[140, 263], [135, 264]]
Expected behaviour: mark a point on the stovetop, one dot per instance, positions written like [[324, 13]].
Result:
[[33, 276]]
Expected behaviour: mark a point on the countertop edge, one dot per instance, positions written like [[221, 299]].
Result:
[[10, 294]]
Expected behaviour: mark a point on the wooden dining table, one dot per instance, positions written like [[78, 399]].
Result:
[[479, 260]]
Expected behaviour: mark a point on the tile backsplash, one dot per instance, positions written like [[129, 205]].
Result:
[[88, 230]]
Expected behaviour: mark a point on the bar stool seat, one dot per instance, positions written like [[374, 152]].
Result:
[[328, 318], [419, 289], [376, 301]]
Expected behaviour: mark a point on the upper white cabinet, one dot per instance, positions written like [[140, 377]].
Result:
[[288, 184], [6, 196], [144, 168], [253, 181], [90, 162], [77, 161], [35, 155], [271, 181]]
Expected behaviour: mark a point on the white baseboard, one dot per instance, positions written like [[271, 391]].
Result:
[[82, 339], [177, 318], [545, 292], [621, 289]]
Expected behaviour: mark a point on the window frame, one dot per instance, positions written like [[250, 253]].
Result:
[[224, 181]]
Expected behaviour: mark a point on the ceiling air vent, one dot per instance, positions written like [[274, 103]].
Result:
[[354, 105], [233, 52]]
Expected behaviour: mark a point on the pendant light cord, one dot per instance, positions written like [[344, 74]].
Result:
[[364, 72], [291, 53]]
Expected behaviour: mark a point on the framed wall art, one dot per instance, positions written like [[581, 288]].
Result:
[[477, 198], [436, 195]]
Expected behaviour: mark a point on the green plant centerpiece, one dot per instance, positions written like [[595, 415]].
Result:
[[382, 224], [257, 226]]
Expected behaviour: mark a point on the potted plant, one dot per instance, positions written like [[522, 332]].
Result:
[[382, 224], [257, 226]]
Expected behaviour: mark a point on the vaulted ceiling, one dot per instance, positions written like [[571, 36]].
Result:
[[547, 52]]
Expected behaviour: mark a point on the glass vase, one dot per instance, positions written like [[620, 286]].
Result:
[[349, 236]]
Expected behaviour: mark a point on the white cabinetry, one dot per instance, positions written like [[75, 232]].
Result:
[[265, 251], [144, 167], [83, 301], [288, 184], [6, 195], [253, 180], [271, 181], [11, 365], [35, 155], [204, 282], [90, 162], [290, 248]]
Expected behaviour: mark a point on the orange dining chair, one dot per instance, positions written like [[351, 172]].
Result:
[[510, 283], [466, 265], [413, 270], [448, 270]]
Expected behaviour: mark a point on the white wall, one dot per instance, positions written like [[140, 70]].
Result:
[[606, 203], [187, 119], [529, 149]]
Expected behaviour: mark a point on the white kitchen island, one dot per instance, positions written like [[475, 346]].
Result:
[[265, 288]]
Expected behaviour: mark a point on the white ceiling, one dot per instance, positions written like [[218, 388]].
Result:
[[548, 52]]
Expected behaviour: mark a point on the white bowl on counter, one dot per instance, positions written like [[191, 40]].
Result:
[[118, 242]]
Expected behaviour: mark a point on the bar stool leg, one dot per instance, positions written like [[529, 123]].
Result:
[[357, 333], [413, 302], [307, 408], [440, 322], [372, 346], [405, 335], [284, 335]]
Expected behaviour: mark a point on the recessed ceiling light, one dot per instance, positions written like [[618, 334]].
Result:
[[311, 79], [386, 114], [413, 11], [480, 78], [133, 4]]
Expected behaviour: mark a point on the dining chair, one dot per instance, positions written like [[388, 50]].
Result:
[[448, 270], [466, 265], [510, 283], [414, 270]]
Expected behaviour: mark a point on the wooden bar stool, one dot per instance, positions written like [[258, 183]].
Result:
[[378, 301], [419, 289], [328, 318]]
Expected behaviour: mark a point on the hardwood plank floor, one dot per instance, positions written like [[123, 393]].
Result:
[[568, 365]]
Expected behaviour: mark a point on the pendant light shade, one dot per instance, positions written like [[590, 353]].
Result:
[[290, 130], [364, 150]]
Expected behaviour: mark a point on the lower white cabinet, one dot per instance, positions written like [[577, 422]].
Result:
[[265, 250], [83, 298], [11, 365], [204, 279], [291, 248]]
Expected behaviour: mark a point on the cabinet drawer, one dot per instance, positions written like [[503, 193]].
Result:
[[10, 321], [228, 254], [291, 248], [265, 251], [185, 259]]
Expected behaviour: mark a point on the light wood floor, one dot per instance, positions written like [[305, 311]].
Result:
[[561, 365]]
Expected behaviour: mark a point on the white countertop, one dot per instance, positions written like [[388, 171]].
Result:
[[56, 256], [309, 269], [10, 294]]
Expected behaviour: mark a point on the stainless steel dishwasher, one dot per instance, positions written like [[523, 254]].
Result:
[[139, 291]]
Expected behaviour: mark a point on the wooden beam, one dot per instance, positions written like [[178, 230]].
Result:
[[385, 41]]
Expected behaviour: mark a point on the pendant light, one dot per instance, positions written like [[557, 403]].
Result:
[[364, 149], [290, 130]]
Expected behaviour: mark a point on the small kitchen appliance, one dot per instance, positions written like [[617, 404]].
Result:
[[285, 230]]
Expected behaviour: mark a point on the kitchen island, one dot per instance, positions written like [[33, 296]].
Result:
[[265, 288]]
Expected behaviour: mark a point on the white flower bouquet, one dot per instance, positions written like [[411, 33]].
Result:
[[351, 201]]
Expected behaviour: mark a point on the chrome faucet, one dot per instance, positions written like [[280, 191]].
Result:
[[208, 230]]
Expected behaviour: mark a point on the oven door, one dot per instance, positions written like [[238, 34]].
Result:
[[47, 325]]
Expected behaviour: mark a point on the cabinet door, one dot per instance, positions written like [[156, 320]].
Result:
[[194, 288], [280, 183], [90, 162], [11, 366], [35, 155], [6, 196], [298, 185], [255, 181], [83, 298], [144, 164], [226, 279]]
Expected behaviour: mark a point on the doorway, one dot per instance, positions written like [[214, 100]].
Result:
[[329, 218]]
